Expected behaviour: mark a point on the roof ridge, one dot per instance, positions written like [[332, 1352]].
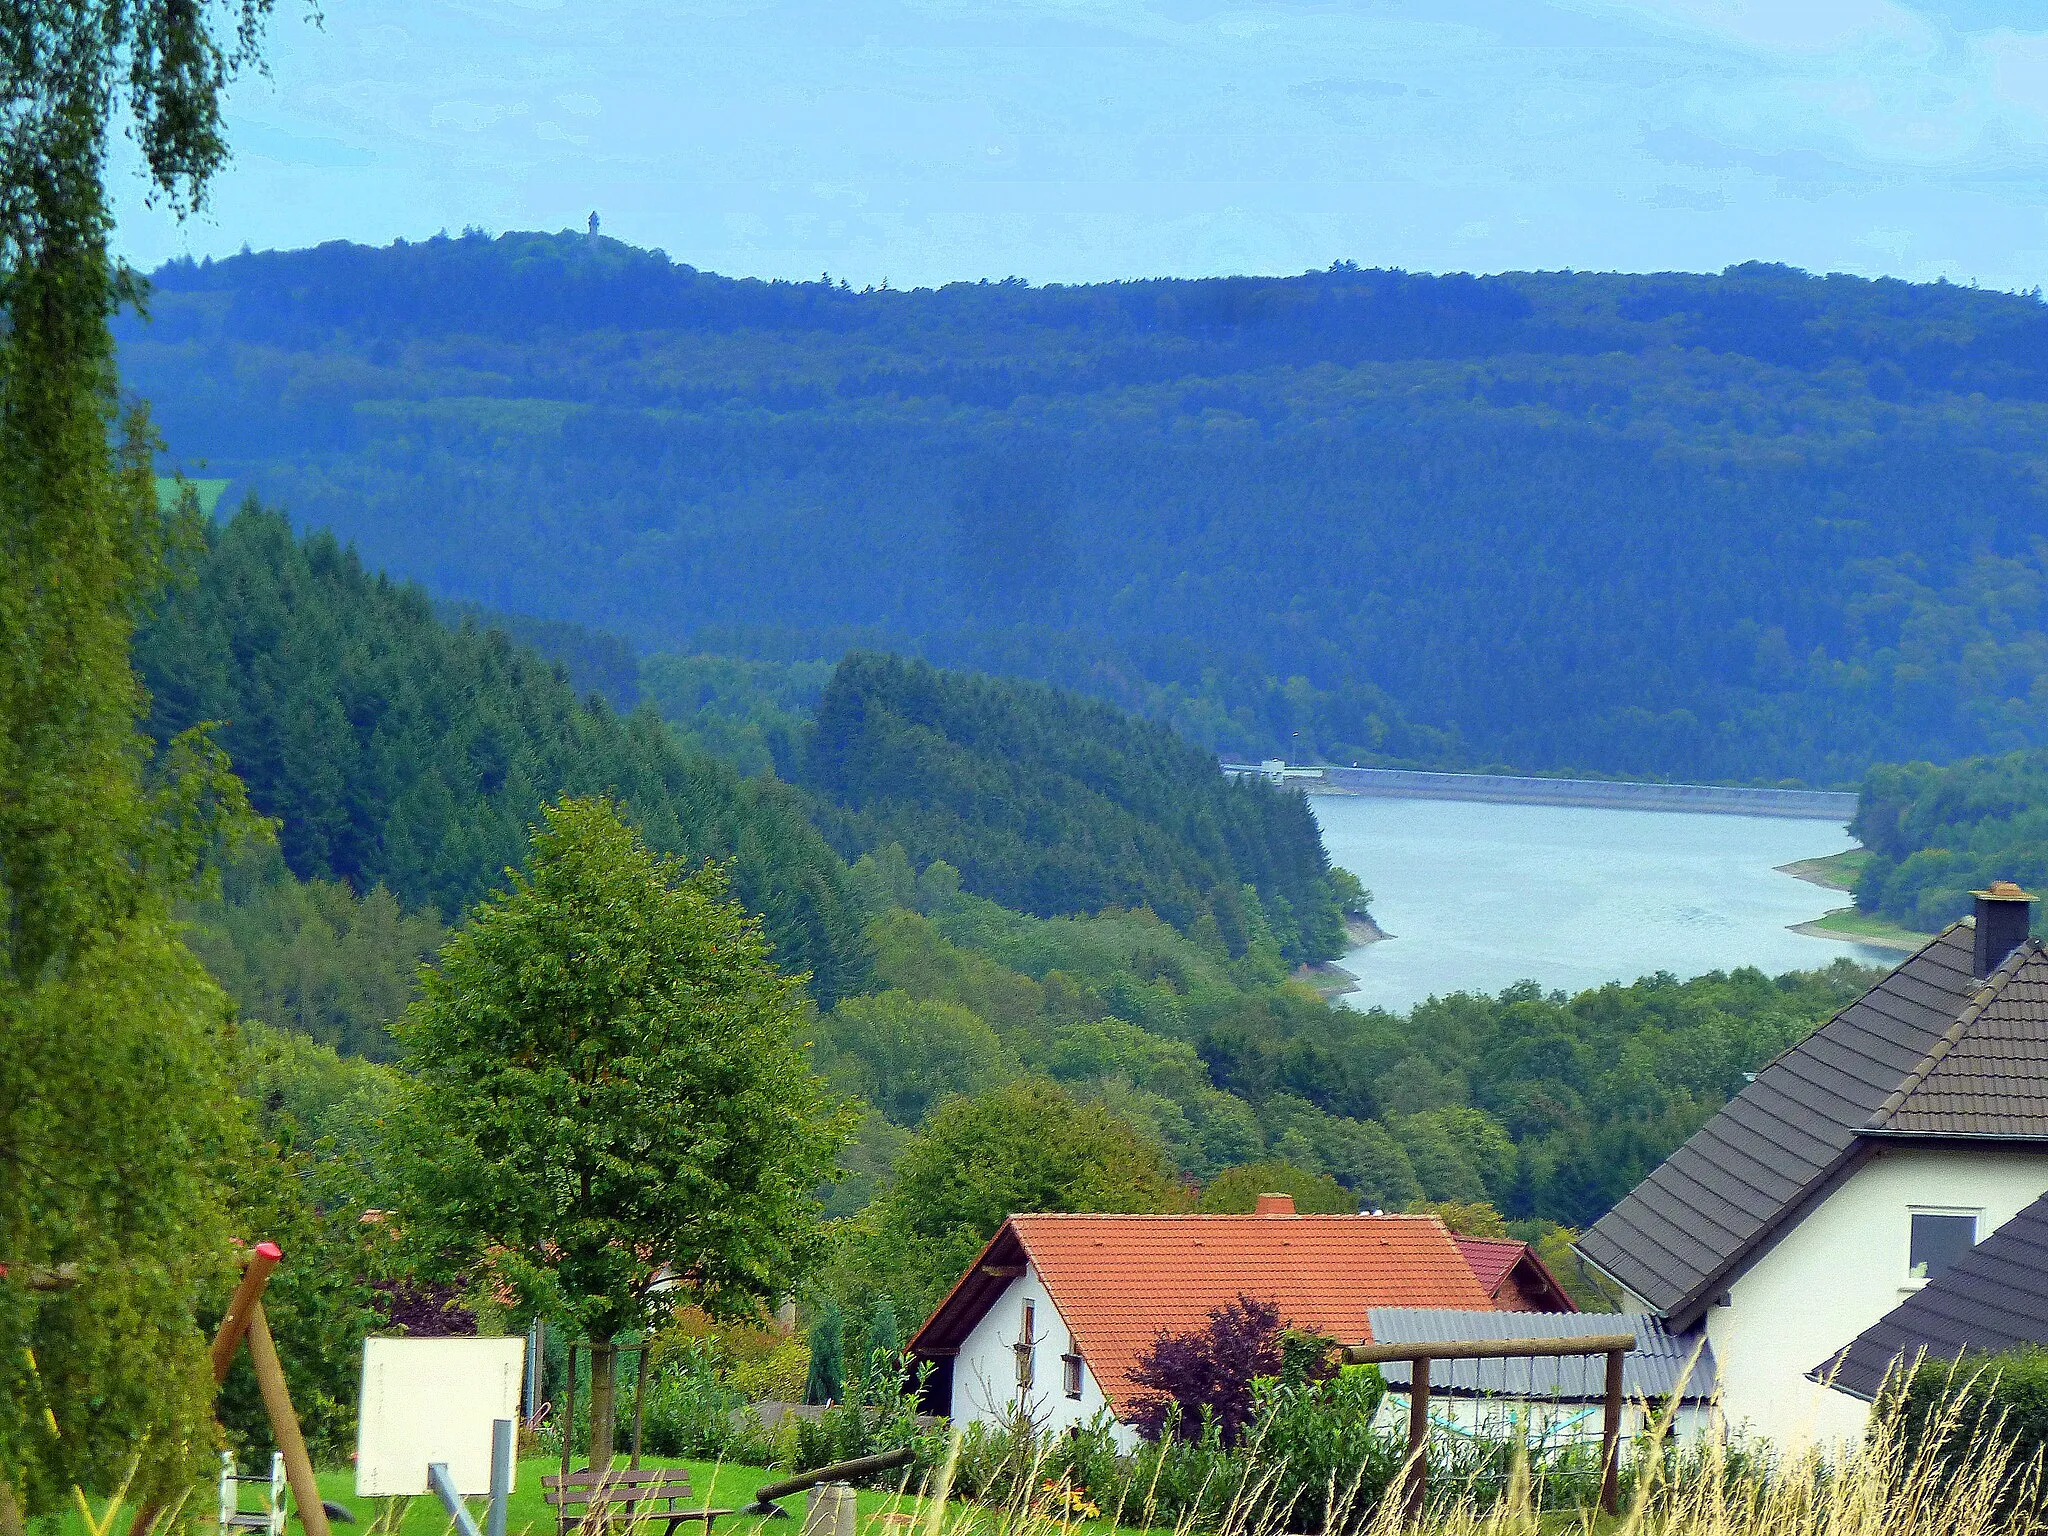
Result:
[[1233, 1216], [1986, 994]]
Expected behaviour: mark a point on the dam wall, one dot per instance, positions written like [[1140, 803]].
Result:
[[1517, 789]]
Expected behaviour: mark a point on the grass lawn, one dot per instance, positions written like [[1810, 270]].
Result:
[[722, 1485], [1848, 923], [1836, 872]]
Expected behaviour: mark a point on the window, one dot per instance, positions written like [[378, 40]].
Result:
[[1026, 1354], [1939, 1239], [1070, 1369]]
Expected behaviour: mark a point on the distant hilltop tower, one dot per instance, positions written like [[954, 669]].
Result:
[[593, 226]]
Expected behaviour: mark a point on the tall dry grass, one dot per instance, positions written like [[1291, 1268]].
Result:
[[1888, 1485]]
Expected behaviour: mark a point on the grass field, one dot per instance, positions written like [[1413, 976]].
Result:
[[717, 1485], [1836, 872], [1848, 923]]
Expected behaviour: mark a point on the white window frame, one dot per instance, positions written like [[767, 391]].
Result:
[[1975, 1213], [1071, 1377]]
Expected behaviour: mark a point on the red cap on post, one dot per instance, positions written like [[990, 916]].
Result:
[[270, 1251]]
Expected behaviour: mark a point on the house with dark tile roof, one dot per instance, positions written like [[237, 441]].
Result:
[[1992, 1298], [1057, 1309], [1513, 1276], [1852, 1171]]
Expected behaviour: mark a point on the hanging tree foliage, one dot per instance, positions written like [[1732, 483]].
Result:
[[116, 1117]]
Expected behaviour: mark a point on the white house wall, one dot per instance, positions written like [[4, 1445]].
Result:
[[985, 1371], [1839, 1271]]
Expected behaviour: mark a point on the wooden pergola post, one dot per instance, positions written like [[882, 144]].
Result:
[[1610, 1434], [1615, 1346], [1417, 1493]]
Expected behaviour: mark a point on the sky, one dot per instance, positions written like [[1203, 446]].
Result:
[[924, 141]]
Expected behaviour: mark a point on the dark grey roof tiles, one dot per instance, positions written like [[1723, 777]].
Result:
[[1985, 1078], [1994, 1296], [1652, 1370], [1674, 1239]]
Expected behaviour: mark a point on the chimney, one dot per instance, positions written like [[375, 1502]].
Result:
[[1274, 1205], [2004, 914]]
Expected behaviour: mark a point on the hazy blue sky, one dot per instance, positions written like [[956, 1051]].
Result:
[[925, 140]]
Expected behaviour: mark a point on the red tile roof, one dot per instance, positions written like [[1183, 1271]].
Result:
[[1513, 1276], [1118, 1281]]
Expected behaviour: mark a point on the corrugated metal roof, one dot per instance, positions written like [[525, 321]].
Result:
[[1120, 1281], [1652, 1370], [1994, 1296], [1677, 1238]]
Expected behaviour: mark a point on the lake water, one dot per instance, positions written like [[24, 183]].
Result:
[[1479, 896]]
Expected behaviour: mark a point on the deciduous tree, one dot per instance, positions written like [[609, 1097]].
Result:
[[610, 1110]]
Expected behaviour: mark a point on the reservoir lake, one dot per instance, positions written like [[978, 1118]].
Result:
[[1478, 896]]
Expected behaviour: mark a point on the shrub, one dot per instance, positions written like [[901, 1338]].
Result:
[[1205, 1376], [1947, 1411]]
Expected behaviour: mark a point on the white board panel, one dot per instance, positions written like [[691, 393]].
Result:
[[428, 1400]]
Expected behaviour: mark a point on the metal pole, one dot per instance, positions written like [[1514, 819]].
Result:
[[1418, 1440], [444, 1487], [501, 1475], [536, 1374], [639, 1400], [1610, 1434], [284, 1424], [569, 1418]]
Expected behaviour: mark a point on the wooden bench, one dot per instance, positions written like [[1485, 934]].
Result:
[[624, 1499]]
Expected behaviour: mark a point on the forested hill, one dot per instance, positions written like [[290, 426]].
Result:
[[1048, 803], [397, 751], [1747, 526], [1937, 834]]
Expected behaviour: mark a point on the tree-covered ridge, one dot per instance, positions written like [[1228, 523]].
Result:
[[1049, 803], [1936, 834], [1744, 526], [398, 752]]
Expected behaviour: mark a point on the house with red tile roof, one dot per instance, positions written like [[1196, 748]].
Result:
[[1056, 1311], [1513, 1276]]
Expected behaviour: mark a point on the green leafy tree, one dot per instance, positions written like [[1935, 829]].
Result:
[[903, 1054], [610, 1109], [118, 1122], [1026, 1146], [1237, 1190]]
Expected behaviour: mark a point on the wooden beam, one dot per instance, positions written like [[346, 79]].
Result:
[[1610, 1434], [1490, 1349], [284, 1424], [1003, 1271]]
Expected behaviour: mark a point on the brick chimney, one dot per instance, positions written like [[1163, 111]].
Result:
[[1274, 1205], [2004, 914]]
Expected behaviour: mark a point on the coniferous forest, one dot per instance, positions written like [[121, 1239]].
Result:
[[1749, 527]]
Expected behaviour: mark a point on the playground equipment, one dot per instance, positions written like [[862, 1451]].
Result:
[[270, 1518], [765, 1496], [245, 1321], [438, 1415]]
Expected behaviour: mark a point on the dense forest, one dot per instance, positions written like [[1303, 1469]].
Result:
[[1750, 526], [1937, 834], [403, 754], [397, 752], [1049, 803]]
